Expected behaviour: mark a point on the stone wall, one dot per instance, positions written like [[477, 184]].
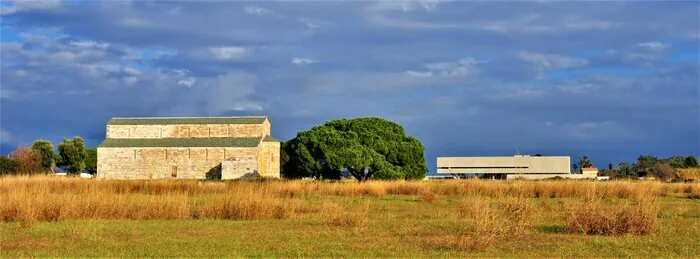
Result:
[[160, 163], [189, 131], [269, 159]]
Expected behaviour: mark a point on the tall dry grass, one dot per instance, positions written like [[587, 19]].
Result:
[[490, 222], [531, 189], [29, 199], [594, 217], [345, 216]]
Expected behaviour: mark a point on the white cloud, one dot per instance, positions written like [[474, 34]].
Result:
[[230, 92], [135, 22], [25, 5], [257, 11], [132, 71], [187, 81], [130, 80], [419, 73], [88, 44], [653, 45], [552, 61], [302, 61], [404, 6], [526, 93], [462, 68], [228, 53], [577, 88]]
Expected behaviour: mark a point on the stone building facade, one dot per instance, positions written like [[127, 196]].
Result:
[[188, 148]]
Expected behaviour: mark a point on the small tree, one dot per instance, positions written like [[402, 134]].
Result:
[[665, 171], [27, 161], [44, 149], [91, 160], [585, 162], [73, 154], [690, 161], [646, 166]]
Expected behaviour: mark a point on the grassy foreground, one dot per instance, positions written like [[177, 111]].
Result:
[[53, 217]]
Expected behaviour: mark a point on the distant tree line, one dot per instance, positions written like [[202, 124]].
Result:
[[650, 166], [41, 158]]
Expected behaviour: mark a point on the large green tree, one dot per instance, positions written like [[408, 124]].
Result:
[[365, 148], [73, 154], [44, 149]]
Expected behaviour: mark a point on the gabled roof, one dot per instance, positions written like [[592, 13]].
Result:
[[270, 139], [187, 120], [181, 142]]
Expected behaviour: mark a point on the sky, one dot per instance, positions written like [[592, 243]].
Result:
[[608, 79]]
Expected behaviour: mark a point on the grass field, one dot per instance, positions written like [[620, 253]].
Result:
[[68, 217]]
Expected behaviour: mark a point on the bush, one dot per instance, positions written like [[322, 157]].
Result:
[[27, 161], [8, 166], [595, 218]]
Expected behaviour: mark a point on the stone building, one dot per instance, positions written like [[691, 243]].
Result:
[[188, 148]]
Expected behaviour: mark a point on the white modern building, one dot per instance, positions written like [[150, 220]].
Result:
[[511, 167]]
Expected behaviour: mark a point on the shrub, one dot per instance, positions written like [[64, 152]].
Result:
[[8, 166], [595, 218], [27, 161], [487, 225]]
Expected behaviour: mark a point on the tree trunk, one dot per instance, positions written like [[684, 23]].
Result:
[[359, 175]]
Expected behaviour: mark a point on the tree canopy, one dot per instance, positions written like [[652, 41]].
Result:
[[44, 150], [365, 148], [73, 154]]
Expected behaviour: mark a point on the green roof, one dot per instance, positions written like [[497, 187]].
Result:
[[271, 139], [181, 142], [186, 120]]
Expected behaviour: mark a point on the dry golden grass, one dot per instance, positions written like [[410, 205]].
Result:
[[689, 174], [455, 217], [490, 222], [428, 196], [593, 217], [28, 199], [345, 216]]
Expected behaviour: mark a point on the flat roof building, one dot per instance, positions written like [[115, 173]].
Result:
[[508, 167]]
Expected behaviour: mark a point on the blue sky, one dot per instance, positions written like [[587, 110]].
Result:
[[611, 80]]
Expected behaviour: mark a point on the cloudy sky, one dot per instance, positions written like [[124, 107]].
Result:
[[611, 80]]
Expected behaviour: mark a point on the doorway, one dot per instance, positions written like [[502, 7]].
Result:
[[173, 171]]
